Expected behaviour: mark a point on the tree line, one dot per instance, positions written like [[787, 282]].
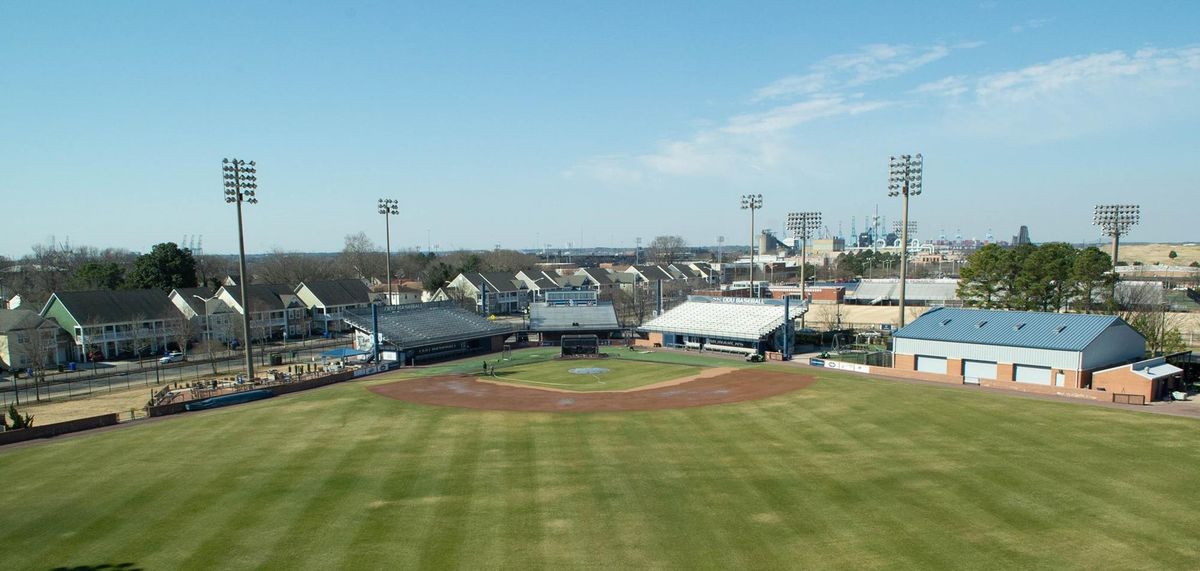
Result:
[[1056, 276]]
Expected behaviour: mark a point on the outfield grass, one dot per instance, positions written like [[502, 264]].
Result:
[[621, 374], [850, 473]]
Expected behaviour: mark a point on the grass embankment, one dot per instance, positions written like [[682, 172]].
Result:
[[850, 472]]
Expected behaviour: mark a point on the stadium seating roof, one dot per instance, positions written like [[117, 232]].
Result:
[[416, 325], [543, 317], [745, 320]]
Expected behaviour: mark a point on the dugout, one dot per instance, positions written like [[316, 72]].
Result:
[[423, 333]]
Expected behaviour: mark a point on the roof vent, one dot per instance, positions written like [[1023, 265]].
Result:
[[1060, 328], [981, 323], [944, 322], [1018, 326]]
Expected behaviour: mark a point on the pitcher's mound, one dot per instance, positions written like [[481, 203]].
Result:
[[466, 392]]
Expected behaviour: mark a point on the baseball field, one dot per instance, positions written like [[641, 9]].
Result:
[[835, 471]]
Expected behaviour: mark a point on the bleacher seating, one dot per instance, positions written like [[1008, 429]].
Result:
[[741, 321], [415, 325]]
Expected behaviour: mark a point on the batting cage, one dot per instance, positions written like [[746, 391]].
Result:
[[580, 346]]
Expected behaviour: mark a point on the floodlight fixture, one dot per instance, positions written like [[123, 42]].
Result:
[[1116, 220], [905, 179], [388, 207], [752, 202], [241, 184]]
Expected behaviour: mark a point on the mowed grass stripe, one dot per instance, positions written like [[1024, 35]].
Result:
[[395, 515], [214, 535], [340, 492], [90, 513], [851, 472]]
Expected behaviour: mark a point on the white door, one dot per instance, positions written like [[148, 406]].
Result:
[[931, 364], [1060, 379], [1032, 375], [973, 371]]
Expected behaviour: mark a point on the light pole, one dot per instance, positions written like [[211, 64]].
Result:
[[388, 207], [1115, 220], [904, 180], [241, 181], [752, 202], [637, 251], [721, 275], [802, 225]]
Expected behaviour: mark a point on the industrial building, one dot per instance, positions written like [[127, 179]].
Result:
[[1059, 352], [729, 324]]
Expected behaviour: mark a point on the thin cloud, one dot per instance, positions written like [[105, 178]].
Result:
[[1088, 71], [870, 63], [1031, 24]]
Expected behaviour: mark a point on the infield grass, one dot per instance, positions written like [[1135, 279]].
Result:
[[850, 472], [618, 374]]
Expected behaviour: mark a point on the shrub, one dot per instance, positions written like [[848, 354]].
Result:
[[19, 420]]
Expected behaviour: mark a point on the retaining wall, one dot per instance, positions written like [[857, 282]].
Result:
[[49, 430]]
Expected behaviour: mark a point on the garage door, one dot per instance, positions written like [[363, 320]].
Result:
[[975, 370], [1032, 375], [931, 364]]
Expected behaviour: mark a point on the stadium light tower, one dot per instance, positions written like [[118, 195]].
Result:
[[241, 182], [802, 225], [388, 207], [904, 179], [1115, 220], [752, 202]]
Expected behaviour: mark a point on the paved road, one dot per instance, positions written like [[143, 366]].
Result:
[[120, 375]]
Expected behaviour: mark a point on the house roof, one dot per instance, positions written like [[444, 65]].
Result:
[[332, 293], [1036, 330], [188, 295], [654, 273], [116, 306], [599, 275], [600, 317], [263, 297], [496, 281], [19, 319]]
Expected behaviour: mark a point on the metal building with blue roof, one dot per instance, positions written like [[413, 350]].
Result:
[[1032, 348]]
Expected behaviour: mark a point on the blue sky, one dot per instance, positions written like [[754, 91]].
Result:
[[531, 123]]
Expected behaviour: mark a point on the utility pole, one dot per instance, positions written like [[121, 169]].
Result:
[[904, 180], [241, 181]]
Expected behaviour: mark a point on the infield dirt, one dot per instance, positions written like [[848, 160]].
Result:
[[465, 391]]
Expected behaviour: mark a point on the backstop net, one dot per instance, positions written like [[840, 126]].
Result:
[[580, 345]]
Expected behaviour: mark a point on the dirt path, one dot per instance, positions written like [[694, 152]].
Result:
[[705, 374], [719, 386]]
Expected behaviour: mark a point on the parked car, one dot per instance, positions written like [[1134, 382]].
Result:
[[172, 357]]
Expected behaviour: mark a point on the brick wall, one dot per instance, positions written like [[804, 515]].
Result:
[[1123, 381]]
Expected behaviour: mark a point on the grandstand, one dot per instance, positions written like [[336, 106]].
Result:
[[735, 325], [554, 321], [941, 291], [425, 332]]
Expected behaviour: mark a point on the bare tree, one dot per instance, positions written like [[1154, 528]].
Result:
[[1143, 306], [183, 331], [38, 347], [280, 267], [510, 261], [140, 337], [667, 249], [826, 316], [362, 258]]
